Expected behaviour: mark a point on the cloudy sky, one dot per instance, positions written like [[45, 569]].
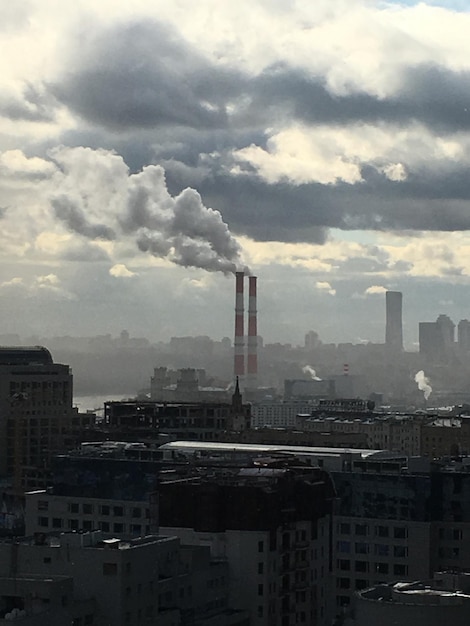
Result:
[[148, 149]]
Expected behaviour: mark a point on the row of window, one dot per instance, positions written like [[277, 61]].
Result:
[[86, 508], [363, 530], [57, 523], [345, 565], [379, 549]]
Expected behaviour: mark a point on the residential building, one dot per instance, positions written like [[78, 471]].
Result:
[[35, 409]]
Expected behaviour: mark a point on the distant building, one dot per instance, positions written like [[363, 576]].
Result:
[[393, 320], [436, 339], [463, 336]]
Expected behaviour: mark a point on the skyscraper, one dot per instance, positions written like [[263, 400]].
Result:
[[393, 328]]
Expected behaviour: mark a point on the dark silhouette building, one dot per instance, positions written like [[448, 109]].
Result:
[[393, 326]]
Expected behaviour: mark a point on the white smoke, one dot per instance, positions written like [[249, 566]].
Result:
[[423, 383], [97, 198], [308, 369]]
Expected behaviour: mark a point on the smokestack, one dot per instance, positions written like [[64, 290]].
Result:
[[252, 334], [238, 344]]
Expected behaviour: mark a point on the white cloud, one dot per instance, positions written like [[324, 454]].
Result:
[[324, 286], [375, 290], [121, 271]]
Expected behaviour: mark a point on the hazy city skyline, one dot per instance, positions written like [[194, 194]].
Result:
[[331, 164]]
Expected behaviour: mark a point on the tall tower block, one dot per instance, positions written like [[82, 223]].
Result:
[[252, 335], [393, 320], [238, 344]]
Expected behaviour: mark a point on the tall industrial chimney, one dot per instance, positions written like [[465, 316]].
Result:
[[252, 335], [238, 344]]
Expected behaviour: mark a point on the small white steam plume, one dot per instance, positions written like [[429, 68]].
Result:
[[308, 369], [423, 383], [98, 198]]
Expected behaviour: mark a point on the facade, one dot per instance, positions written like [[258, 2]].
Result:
[[401, 522], [272, 526], [96, 579], [278, 414], [192, 420], [393, 321], [35, 409]]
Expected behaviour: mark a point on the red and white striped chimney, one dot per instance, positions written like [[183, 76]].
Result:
[[252, 335], [239, 342]]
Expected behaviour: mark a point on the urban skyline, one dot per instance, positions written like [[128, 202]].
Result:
[[333, 172]]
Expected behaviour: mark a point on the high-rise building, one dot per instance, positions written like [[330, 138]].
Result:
[[393, 327], [35, 407]]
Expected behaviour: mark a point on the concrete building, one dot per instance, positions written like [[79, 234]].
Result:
[[93, 578], [437, 339], [393, 321], [278, 414], [398, 521], [443, 600], [272, 526], [35, 408]]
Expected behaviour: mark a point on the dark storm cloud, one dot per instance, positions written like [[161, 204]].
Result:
[[428, 94], [143, 75], [145, 78], [146, 75]]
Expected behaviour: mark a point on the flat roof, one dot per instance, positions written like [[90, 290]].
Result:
[[207, 446]]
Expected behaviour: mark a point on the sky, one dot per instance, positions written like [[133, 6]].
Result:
[[149, 149]]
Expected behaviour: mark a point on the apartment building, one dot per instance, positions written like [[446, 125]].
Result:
[[402, 522], [273, 527], [96, 579], [35, 408]]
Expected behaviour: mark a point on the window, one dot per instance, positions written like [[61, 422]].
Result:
[[381, 568], [73, 524], [43, 505], [104, 526], [43, 522], [260, 568], [260, 546], [56, 522], [88, 509], [344, 565], [73, 507], [344, 528], [400, 570], [361, 584], [136, 512], [104, 509], [260, 589], [361, 548], [381, 531], [361, 566], [400, 532], [109, 569], [361, 530], [381, 549], [118, 511], [343, 583], [400, 552], [343, 546], [118, 528]]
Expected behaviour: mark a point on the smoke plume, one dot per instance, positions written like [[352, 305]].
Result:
[[307, 369], [423, 383], [99, 199]]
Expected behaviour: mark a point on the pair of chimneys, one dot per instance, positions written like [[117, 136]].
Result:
[[249, 374]]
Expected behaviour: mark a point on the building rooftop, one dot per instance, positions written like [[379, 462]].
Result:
[[19, 355]]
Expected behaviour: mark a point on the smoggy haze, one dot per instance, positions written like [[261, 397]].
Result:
[[146, 152]]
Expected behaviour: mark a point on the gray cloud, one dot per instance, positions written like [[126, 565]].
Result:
[[143, 75], [36, 104], [75, 219]]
